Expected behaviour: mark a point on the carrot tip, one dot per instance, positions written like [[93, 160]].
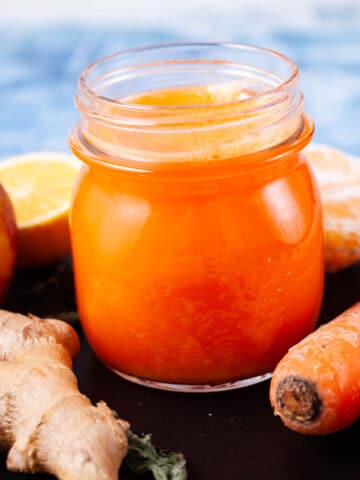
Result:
[[297, 399]]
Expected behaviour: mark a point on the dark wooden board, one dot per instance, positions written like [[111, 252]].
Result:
[[224, 436]]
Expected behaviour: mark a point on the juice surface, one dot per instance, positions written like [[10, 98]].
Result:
[[198, 281]]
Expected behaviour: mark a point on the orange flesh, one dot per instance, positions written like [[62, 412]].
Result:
[[204, 281], [38, 189]]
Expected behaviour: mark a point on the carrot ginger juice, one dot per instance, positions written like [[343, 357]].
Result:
[[196, 223]]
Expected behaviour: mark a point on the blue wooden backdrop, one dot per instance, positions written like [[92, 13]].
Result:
[[40, 66]]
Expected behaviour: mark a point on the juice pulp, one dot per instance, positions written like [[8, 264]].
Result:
[[197, 281]]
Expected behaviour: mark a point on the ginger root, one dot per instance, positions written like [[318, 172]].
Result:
[[46, 424]]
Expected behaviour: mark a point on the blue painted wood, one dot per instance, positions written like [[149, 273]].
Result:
[[40, 66]]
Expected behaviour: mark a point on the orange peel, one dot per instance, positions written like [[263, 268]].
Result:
[[338, 176]]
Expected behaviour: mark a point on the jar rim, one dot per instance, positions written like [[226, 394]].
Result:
[[91, 93], [265, 108], [193, 171]]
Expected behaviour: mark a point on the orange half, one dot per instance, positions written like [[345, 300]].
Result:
[[338, 176], [40, 186]]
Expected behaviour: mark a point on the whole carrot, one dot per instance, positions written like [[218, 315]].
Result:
[[315, 388]]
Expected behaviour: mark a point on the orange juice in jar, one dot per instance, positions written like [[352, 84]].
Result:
[[196, 222]]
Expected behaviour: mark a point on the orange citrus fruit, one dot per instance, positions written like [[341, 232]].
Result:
[[338, 177], [40, 186]]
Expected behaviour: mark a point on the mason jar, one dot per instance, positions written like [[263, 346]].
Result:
[[196, 222]]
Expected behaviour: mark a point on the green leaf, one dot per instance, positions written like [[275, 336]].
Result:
[[143, 457]]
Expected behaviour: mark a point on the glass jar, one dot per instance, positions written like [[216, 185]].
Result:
[[196, 223]]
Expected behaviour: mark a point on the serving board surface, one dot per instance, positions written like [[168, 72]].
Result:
[[229, 435]]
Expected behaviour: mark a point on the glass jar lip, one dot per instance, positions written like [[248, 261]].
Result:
[[188, 170], [90, 92]]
